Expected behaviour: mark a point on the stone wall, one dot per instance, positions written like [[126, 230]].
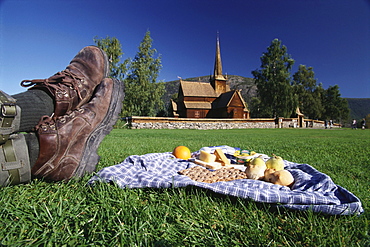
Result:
[[207, 123]]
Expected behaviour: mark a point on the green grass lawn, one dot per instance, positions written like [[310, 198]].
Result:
[[73, 214]]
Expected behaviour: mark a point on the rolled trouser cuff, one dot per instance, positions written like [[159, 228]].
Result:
[[9, 117], [14, 160]]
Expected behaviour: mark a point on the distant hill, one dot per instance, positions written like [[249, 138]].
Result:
[[359, 107], [236, 82]]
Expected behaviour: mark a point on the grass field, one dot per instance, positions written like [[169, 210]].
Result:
[[73, 214]]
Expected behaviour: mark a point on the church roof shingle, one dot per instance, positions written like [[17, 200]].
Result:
[[197, 89]]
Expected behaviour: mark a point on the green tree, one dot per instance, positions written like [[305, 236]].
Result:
[[113, 49], [308, 92], [336, 108], [273, 82], [254, 107], [143, 92]]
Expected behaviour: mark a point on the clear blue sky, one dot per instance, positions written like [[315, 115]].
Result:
[[39, 37]]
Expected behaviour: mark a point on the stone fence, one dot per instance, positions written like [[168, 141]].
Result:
[[136, 122]]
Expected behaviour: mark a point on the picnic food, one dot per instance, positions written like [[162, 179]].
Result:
[[208, 160], [243, 156], [204, 175], [213, 161], [221, 157], [182, 152], [212, 165], [275, 162], [207, 157], [242, 160], [282, 177], [256, 168]]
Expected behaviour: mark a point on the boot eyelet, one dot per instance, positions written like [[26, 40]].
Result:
[[62, 120], [81, 110]]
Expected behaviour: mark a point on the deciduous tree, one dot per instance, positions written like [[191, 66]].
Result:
[[336, 108], [308, 92], [143, 92], [273, 82], [113, 49]]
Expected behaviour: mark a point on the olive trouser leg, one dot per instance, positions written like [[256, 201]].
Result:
[[14, 157]]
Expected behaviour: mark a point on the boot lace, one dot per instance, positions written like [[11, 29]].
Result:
[[65, 77]]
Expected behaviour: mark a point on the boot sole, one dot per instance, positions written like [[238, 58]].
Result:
[[90, 158]]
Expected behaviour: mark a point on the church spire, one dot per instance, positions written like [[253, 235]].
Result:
[[218, 80], [217, 72]]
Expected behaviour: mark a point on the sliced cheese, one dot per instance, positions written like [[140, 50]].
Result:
[[207, 157], [221, 157]]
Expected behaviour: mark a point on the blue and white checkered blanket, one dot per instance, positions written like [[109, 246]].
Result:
[[311, 190]]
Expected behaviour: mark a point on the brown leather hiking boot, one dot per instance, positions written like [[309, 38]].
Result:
[[74, 86], [68, 144]]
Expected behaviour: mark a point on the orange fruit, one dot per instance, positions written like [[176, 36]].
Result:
[[182, 152]]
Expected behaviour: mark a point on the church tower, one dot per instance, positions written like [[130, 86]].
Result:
[[218, 80]]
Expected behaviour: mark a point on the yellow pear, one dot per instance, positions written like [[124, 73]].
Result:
[[275, 162], [256, 168]]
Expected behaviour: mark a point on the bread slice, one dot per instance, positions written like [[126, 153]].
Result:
[[221, 157]]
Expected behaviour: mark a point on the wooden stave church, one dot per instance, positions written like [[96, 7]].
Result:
[[213, 99]]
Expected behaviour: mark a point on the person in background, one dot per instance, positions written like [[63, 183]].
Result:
[[363, 123]]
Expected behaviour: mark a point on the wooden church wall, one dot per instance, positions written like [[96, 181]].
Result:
[[196, 113]]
